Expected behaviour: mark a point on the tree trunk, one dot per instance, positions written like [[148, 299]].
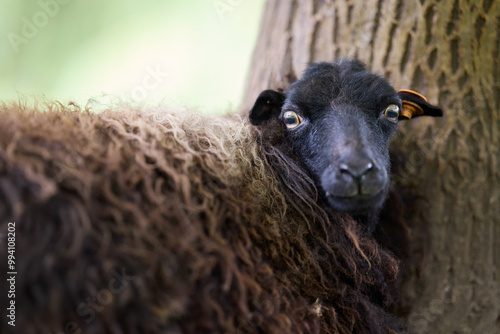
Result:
[[449, 51]]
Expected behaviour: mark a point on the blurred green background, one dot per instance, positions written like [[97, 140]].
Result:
[[182, 53]]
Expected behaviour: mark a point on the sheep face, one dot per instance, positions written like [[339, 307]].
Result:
[[337, 122]]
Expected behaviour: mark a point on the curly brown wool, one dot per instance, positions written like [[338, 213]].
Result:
[[187, 224]]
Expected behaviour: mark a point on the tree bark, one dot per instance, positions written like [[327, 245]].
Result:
[[449, 51]]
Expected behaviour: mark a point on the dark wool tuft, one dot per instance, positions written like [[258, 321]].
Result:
[[174, 223]]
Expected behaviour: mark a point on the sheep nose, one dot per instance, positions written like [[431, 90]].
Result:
[[356, 170]]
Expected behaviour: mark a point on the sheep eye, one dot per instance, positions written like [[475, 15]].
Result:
[[292, 119], [392, 112]]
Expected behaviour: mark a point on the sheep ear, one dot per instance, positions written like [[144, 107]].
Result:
[[268, 104], [415, 105]]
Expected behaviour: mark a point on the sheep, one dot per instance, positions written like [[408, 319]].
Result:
[[126, 223]]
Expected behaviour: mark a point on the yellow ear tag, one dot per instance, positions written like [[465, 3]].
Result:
[[411, 109]]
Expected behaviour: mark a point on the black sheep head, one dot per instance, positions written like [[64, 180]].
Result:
[[337, 122]]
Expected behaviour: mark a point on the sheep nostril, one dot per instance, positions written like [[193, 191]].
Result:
[[344, 168]]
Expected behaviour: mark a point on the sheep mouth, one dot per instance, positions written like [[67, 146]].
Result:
[[360, 203]]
